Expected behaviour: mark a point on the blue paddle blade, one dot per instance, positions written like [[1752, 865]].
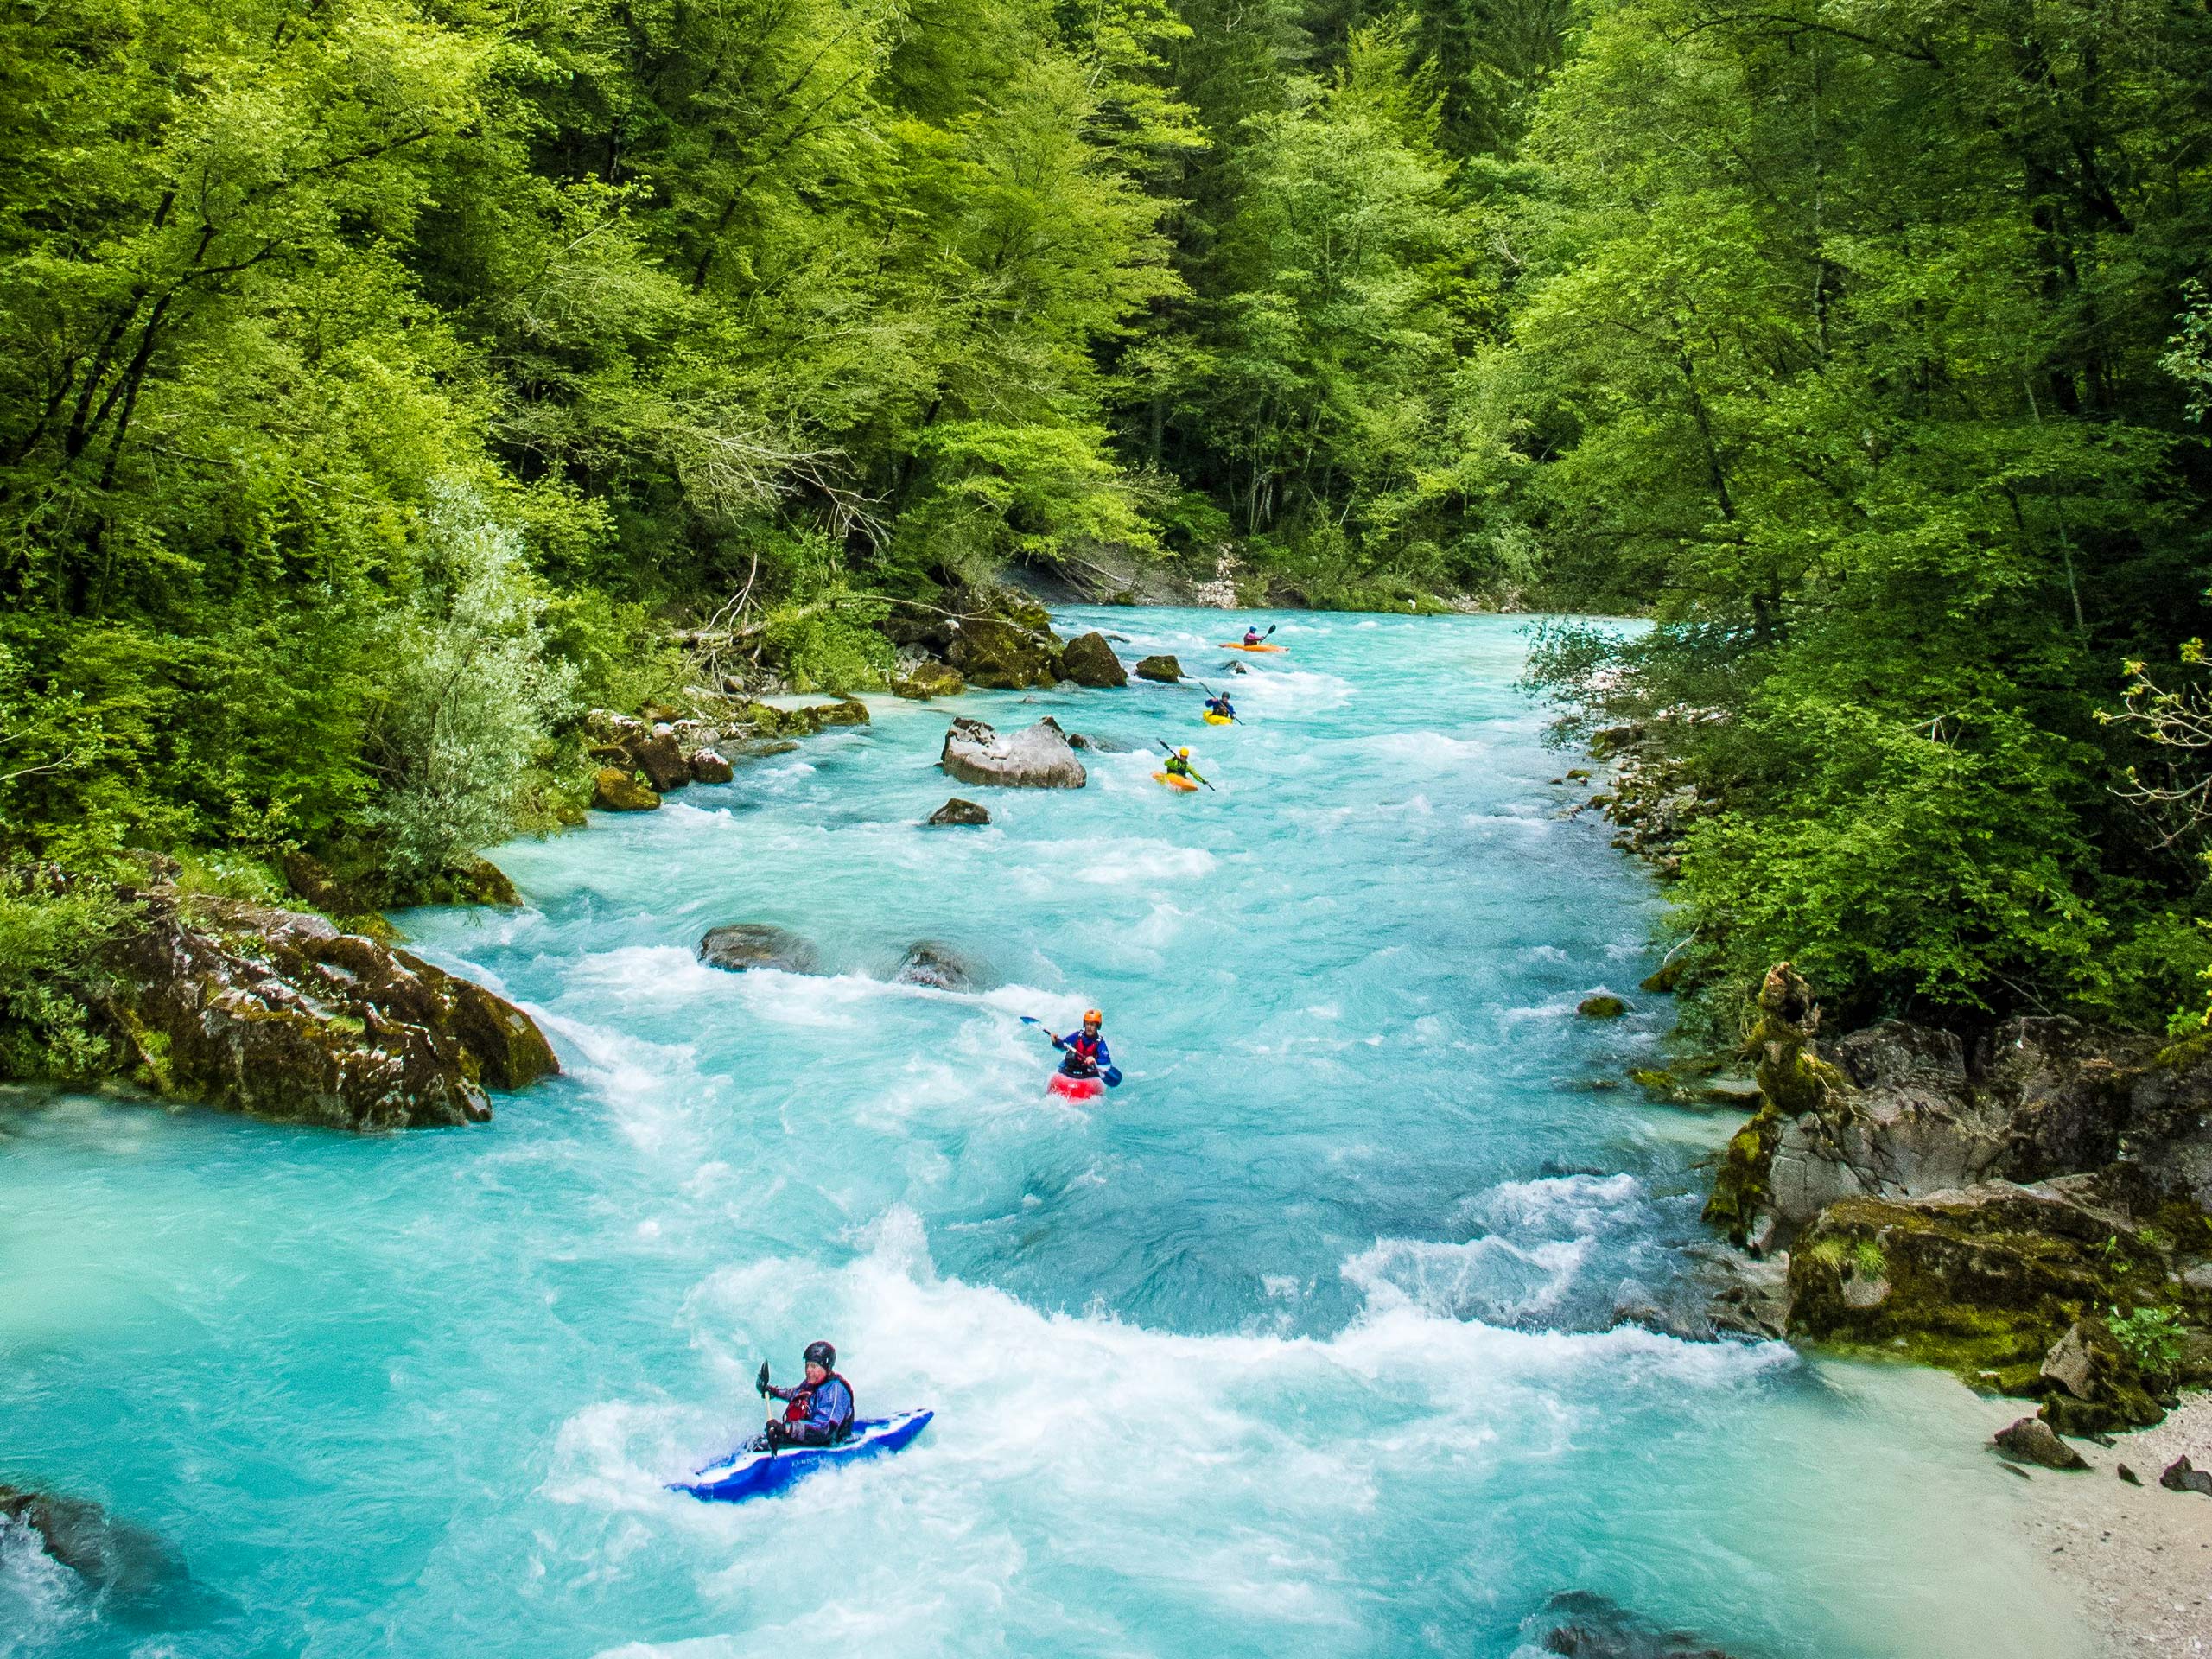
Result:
[[1028, 1020], [1113, 1076]]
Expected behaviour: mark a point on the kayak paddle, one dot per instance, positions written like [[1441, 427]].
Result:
[[1163, 744]]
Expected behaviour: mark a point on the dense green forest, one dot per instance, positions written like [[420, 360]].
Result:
[[383, 380]]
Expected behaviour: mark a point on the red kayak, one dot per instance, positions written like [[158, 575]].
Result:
[[1068, 1088]]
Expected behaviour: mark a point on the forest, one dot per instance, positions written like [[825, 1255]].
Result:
[[384, 382]]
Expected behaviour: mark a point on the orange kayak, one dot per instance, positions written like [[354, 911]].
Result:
[[1238, 645], [1173, 781]]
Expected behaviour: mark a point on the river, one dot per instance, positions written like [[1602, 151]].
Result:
[[1297, 1343]]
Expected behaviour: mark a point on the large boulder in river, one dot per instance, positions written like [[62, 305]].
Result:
[[742, 946], [1165, 670], [1089, 660], [281, 1014], [1038, 757]]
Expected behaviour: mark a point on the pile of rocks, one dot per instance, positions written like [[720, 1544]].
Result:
[[644, 756]]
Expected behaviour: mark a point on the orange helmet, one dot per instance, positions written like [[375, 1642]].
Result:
[[1092, 1017]]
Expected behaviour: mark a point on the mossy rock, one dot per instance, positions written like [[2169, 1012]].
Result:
[[1605, 1006], [1004, 656], [617, 790], [925, 680]]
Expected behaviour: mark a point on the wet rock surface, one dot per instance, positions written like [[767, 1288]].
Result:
[[120, 1560], [957, 811], [615, 789], [1038, 757], [282, 1015], [928, 679], [742, 946], [1584, 1625], [1089, 660], [939, 967], [1165, 670]]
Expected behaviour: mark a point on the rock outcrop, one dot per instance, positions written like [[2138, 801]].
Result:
[[1038, 757], [710, 766], [1163, 669], [281, 1014], [1089, 660], [957, 811], [1604, 1006], [2028, 1209], [742, 946], [2031, 1440]]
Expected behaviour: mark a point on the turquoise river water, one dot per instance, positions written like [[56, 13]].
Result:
[[1297, 1345]]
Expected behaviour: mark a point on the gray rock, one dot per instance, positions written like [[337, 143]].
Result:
[[742, 946], [956, 812], [123, 1562], [1038, 757], [2068, 1363], [1584, 1626], [2031, 1440], [708, 767], [2181, 1477], [1165, 669], [937, 966], [1089, 660]]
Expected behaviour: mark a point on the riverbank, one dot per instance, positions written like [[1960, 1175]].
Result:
[[2138, 1557]]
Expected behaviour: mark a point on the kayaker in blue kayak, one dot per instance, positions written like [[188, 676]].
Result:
[[1084, 1051], [819, 1411]]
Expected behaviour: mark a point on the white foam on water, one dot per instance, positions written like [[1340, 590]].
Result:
[[42, 1601], [1116, 862]]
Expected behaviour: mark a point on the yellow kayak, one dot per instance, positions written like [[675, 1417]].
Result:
[[1173, 781], [1216, 719]]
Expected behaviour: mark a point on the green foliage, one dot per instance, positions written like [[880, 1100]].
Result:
[[470, 700], [2151, 1336], [50, 933]]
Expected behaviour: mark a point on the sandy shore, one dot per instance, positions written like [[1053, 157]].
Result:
[[2140, 1557]]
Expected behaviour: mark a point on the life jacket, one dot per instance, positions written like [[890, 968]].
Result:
[[802, 1407], [1082, 1056], [1178, 766]]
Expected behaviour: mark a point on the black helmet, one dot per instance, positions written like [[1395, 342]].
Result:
[[822, 1354]]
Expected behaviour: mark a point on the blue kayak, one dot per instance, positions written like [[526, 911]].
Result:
[[746, 1473]]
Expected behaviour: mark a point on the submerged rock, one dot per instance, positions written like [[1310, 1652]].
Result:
[[615, 789], [116, 1558], [1089, 660], [1584, 1625], [1038, 757], [282, 1016], [2031, 1440], [938, 966], [1604, 1006], [1164, 669], [745, 945], [957, 811]]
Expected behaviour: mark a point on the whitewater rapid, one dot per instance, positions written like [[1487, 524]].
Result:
[[1306, 1341]]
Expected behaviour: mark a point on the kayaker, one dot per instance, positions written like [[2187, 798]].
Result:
[[1084, 1050], [1252, 636], [819, 1411], [1179, 765], [1218, 704]]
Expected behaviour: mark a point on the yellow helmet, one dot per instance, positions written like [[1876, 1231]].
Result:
[[1182, 755]]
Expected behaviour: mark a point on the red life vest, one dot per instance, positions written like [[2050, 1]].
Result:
[[1082, 1056]]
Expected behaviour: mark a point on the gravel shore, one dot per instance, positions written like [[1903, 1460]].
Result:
[[2140, 1557]]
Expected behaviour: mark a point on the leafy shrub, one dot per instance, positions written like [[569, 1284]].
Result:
[[471, 700], [50, 933], [2151, 1336], [824, 650]]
